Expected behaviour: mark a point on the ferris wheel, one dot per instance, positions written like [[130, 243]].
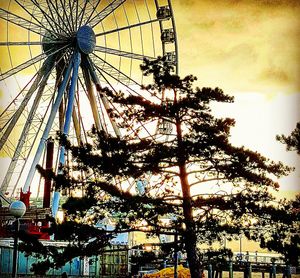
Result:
[[56, 55]]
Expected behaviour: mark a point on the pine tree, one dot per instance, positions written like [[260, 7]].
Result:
[[282, 233], [192, 155]]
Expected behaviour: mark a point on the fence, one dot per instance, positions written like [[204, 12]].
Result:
[[112, 263]]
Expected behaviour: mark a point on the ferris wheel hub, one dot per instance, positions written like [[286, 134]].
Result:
[[86, 39], [47, 43]]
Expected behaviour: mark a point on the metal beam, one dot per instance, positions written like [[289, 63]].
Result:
[[122, 53], [36, 19], [103, 97], [22, 22], [105, 12], [25, 65], [17, 114], [68, 117], [47, 129], [127, 27], [30, 62], [91, 95], [115, 73], [51, 20], [21, 141], [70, 104]]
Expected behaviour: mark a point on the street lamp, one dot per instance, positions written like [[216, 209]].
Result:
[[17, 209], [241, 254]]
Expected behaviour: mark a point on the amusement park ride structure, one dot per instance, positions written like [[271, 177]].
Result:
[[67, 51]]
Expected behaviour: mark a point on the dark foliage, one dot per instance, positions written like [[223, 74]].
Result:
[[83, 240], [174, 166], [292, 141]]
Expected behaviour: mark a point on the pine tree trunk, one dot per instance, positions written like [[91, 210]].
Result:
[[190, 240], [190, 237]]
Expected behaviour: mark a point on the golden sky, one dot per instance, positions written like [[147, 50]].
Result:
[[246, 45], [250, 49], [238, 45]]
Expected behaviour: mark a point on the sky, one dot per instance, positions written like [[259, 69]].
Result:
[[250, 49], [240, 45]]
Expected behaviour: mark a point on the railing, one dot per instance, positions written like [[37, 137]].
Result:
[[257, 258]]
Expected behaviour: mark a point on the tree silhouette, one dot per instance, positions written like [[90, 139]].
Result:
[[292, 141], [190, 155], [283, 236]]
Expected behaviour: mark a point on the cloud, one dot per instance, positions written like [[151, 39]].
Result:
[[240, 45], [274, 74], [269, 3]]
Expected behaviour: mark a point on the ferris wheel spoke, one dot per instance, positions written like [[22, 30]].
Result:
[[54, 8], [22, 22], [47, 67], [66, 15], [20, 43], [68, 117], [32, 15], [72, 21], [52, 23], [32, 125], [120, 114], [88, 11], [128, 27], [115, 73], [86, 85], [76, 124], [122, 53], [119, 76], [70, 103], [108, 104], [22, 153], [7, 113], [76, 15], [104, 100], [54, 16], [9, 117], [94, 100], [30, 62], [23, 66], [82, 12], [30, 43], [144, 127], [105, 12]]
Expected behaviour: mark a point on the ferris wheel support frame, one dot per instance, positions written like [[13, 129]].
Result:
[[46, 132], [103, 97], [68, 117], [91, 97]]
